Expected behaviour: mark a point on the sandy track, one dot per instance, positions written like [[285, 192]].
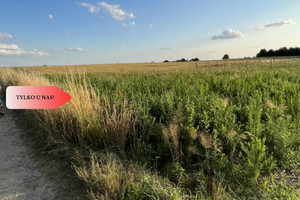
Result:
[[19, 175]]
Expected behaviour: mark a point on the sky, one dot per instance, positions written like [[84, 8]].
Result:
[[67, 32]]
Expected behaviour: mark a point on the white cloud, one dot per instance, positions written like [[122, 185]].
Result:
[[5, 36], [228, 34], [15, 50], [75, 49], [50, 16], [9, 46], [151, 25], [275, 24], [91, 7], [113, 10], [128, 24]]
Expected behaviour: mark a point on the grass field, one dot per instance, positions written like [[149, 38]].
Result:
[[205, 130]]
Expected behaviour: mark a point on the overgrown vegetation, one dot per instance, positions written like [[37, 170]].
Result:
[[222, 133]]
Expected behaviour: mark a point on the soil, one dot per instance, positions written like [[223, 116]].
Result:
[[19, 172]]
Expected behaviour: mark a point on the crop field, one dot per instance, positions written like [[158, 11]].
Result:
[[190, 130], [145, 68]]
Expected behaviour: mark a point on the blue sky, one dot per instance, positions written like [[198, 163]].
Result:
[[64, 32]]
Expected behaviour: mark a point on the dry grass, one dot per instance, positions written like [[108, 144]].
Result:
[[171, 138], [171, 135], [85, 119], [206, 140], [270, 104], [105, 177], [77, 120], [9, 76], [108, 177], [118, 123]]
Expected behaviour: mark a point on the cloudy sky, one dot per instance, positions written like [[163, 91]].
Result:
[[60, 32]]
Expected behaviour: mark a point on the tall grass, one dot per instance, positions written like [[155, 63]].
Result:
[[218, 132]]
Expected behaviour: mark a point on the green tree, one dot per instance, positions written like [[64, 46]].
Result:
[[225, 57]]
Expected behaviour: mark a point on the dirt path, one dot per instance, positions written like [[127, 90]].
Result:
[[19, 176]]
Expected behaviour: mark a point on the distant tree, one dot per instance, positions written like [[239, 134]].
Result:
[[294, 51], [166, 61], [271, 53], [181, 60], [262, 53], [284, 51], [194, 60], [225, 57]]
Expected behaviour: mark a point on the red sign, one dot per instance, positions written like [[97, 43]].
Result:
[[35, 97]]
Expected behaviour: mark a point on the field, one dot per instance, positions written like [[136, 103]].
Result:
[[204, 130], [146, 68]]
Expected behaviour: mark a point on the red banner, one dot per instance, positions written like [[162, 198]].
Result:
[[35, 97]]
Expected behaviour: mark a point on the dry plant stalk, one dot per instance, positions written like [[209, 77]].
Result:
[[171, 135], [118, 123], [104, 176], [206, 140]]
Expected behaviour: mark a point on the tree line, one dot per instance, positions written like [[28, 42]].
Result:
[[184, 60], [280, 52], [225, 57]]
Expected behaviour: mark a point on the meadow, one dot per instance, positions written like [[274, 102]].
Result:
[[204, 130]]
